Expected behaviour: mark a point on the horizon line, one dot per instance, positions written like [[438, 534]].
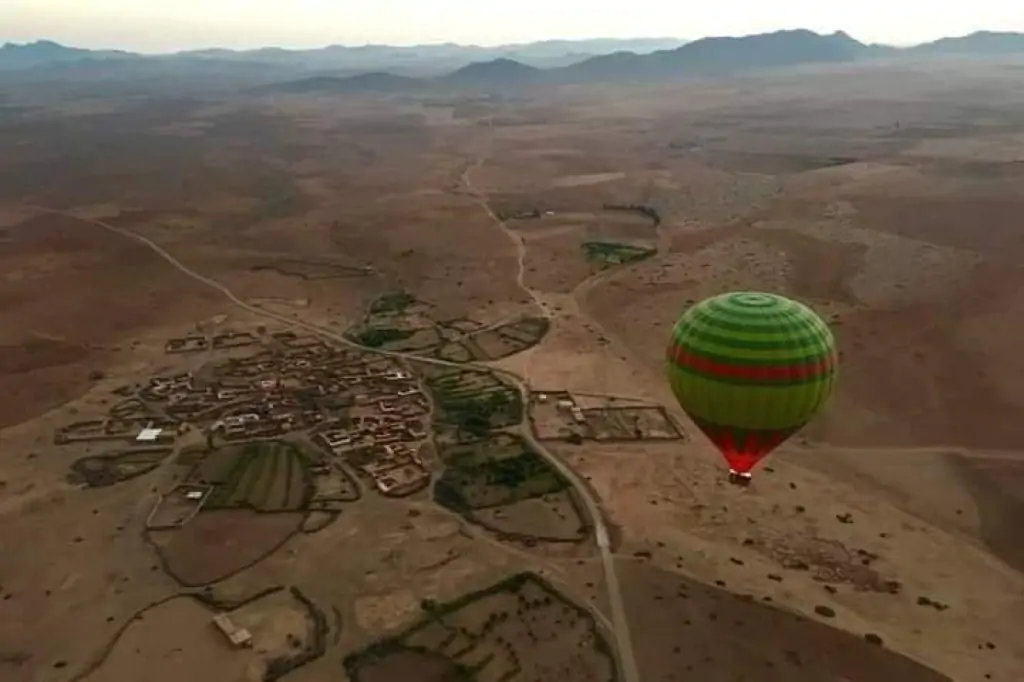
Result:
[[450, 43]]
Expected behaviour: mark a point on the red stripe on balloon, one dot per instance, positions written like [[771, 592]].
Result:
[[681, 357]]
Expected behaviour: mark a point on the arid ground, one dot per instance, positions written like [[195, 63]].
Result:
[[882, 543]]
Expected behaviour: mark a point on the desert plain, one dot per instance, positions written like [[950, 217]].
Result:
[[249, 271]]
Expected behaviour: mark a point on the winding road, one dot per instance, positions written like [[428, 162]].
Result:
[[623, 641]]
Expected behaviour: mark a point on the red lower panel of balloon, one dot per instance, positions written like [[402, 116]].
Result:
[[743, 449], [742, 462]]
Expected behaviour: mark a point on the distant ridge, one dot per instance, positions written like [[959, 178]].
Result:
[[446, 56], [506, 72], [363, 82], [979, 42], [383, 69]]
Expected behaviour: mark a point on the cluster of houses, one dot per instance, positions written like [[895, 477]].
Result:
[[366, 409], [383, 435], [297, 387]]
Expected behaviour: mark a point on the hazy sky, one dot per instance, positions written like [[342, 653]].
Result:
[[167, 25]]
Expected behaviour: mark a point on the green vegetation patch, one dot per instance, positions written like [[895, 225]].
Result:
[[393, 303], [606, 254], [260, 478], [475, 401], [375, 337], [497, 482], [100, 471], [453, 352]]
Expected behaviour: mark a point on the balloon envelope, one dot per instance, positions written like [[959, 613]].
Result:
[[750, 369]]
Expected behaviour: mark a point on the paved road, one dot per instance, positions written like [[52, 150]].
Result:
[[624, 644]]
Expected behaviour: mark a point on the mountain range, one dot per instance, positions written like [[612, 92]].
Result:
[[393, 69], [418, 58]]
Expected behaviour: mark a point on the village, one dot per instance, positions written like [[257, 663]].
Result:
[[367, 410]]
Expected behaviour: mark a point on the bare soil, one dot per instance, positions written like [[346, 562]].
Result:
[[179, 634], [216, 544], [684, 630]]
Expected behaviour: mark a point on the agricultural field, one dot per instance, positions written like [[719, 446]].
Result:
[[518, 630], [608, 254], [552, 421], [174, 508], [498, 482], [332, 488], [267, 476], [494, 472], [502, 341], [216, 544], [473, 402], [554, 517], [630, 423], [399, 322], [548, 420], [100, 471]]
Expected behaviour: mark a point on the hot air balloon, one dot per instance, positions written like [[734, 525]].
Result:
[[750, 369]]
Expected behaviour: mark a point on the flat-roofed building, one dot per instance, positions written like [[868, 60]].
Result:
[[238, 637]]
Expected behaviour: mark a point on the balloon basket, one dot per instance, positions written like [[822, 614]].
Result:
[[739, 479]]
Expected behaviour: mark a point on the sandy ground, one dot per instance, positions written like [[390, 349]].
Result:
[[909, 477]]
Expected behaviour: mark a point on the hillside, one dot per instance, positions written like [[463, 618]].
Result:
[[710, 56], [382, 68], [496, 73], [420, 59], [44, 52], [364, 82], [980, 43]]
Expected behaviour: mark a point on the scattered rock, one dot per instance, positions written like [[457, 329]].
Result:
[[738, 562], [990, 645], [720, 583], [800, 509], [825, 611], [60, 664], [831, 589], [872, 638], [845, 518], [748, 542], [937, 605], [775, 576], [769, 470], [792, 486]]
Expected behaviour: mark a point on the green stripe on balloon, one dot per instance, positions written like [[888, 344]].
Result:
[[718, 345]]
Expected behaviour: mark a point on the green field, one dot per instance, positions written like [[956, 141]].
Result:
[[506, 340], [474, 401], [493, 472], [606, 254], [393, 303], [263, 475], [375, 337]]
